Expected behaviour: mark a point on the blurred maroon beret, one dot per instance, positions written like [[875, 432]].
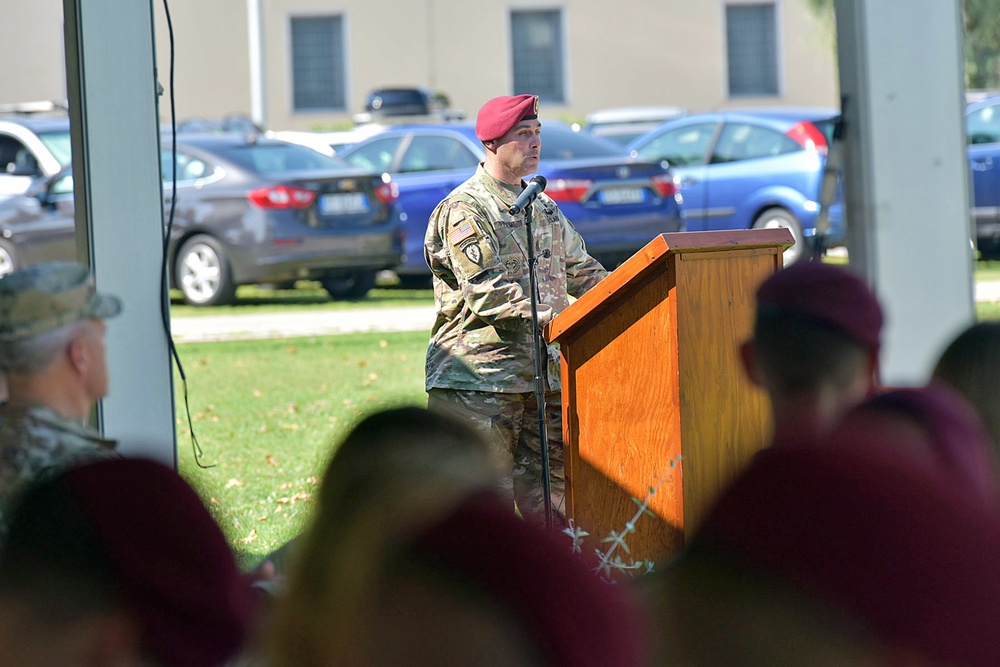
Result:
[[574, 618], [174, 566], [899, 549], [955, 442], [827, 293], [500, 114]]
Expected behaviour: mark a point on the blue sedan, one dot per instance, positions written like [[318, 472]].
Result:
[[751, 169], [617, 203]]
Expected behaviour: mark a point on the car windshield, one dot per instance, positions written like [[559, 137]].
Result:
[[279, 158], [562, 143], [59, 144]]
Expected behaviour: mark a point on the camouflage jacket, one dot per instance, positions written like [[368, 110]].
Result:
[[36, 442], [477, 252]]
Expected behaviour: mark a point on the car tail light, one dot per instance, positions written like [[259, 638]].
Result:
[[282, 196], [387, 193], [808, 136], [568, 189], [664, 184]]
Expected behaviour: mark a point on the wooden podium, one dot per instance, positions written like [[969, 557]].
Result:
[[654, 394]]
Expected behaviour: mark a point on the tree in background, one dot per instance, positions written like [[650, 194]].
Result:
[[982, 39]]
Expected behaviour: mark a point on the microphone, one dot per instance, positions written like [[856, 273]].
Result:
[[528, 194]]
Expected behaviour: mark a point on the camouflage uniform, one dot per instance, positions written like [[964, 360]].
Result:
[[37, 442], [480, 361]]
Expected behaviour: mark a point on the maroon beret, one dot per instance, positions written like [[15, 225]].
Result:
[[574, 618], [827, 293], [500, 114], [955, 442], [175, 568], [901, 550]]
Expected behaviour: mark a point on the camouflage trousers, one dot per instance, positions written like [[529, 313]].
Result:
[[509, 422]]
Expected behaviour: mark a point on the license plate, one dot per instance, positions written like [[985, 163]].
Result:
[[622, 196], [343, 204]]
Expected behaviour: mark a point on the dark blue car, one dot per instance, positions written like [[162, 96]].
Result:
[[617, 203], [982, 136], [751, 169]]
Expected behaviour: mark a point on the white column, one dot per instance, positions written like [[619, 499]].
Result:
[[906, 175], [110, 72]]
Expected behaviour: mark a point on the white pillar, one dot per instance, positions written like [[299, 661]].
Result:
[[906, 175], [110, 72]]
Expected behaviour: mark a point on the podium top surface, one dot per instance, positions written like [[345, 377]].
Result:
[[660, 248]]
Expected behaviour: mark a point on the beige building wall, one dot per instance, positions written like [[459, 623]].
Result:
[[624, 53]]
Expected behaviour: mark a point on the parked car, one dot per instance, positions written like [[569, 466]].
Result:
[[32, 144], [982, 137], [329, 143], [751, 169], [617, 203], [249, 210], [622, 125]]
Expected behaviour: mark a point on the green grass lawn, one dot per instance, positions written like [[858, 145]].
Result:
[[267, 413]]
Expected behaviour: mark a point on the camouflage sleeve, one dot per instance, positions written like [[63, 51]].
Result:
[[469, 252], [582, 270]]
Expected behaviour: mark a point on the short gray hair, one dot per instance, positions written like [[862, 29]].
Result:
[[34, 353]]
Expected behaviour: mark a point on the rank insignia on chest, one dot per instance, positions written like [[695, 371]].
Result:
[[460, 233], [473, 252]]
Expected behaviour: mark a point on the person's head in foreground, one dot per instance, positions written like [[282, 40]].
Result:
[[480, 586], [835, 556], [397, 471], [118, 563], [971, 365], [52, 337], [814, 347], [934, 426]]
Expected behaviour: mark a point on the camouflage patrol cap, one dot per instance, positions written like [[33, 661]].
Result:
[[49, 296]]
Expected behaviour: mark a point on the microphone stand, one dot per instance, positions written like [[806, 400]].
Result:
[[539, 382]]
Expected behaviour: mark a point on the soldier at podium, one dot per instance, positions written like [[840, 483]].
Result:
[[480, 361]]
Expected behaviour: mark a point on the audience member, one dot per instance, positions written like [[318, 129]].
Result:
[[483, 587], [934, 426], [971, 364], [834, 556], [52, 354], [117, 562], [814, 347], [396, 472]]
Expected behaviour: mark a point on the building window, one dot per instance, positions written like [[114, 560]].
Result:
[[318, 64], [751, 37], [537, 43]]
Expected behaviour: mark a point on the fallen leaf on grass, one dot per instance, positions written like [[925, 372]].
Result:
[[214, 500], [290, 500], [370, 380], [291, 349], [312, 480], [257, 393], [234, 482], [270, 460], [252, 537], [383, 343]]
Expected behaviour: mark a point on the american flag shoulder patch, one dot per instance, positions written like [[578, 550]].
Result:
[[460, 233]]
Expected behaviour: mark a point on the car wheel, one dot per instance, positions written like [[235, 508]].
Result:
[[352, 285], [203, 274], [773, 218], [7, 262]]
